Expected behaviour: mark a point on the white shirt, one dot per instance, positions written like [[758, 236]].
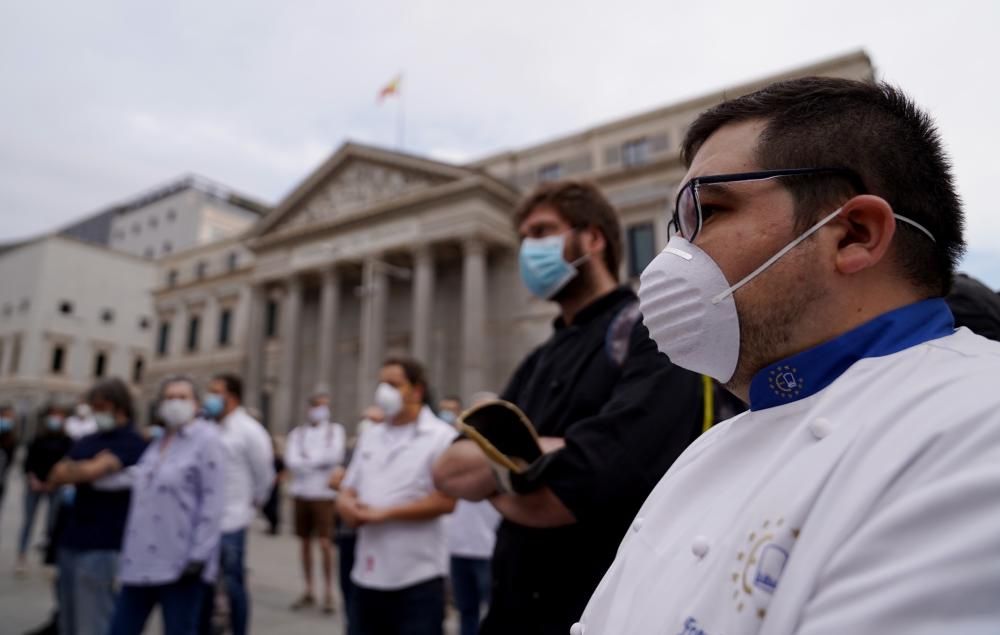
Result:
[[249, 468], [311, 453], [392, 466], [472, 529], [872, 506], [79, 427]]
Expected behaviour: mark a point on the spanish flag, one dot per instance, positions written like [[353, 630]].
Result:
[[390, 89]]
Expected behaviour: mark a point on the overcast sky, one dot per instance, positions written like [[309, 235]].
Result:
[[101, 100]]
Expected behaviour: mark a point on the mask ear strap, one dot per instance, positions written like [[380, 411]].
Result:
[[770, 261]]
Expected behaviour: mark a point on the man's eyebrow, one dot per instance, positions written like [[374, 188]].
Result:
[[718, 189]]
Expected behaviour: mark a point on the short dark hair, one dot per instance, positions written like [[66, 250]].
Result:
[[872, 129], [115, 392], [179, 379], [582, 205], [414, 372], [233, 384]]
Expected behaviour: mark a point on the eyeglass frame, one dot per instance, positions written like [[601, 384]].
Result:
[[739, 177]]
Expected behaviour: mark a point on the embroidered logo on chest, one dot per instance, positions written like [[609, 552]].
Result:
[[759, 564]]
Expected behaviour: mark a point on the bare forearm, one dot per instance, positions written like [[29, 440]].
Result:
[[463, 471], [427, 508], [541, 509], [73, 472]]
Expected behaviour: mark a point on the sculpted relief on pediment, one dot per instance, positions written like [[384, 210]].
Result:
[[358, 185]]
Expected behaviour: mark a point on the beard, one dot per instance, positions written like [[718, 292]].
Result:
[[771, 308], [581, 284]]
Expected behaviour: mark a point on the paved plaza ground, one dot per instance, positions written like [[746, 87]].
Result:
[[274, 579]]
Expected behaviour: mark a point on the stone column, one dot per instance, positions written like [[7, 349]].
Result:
[[179, 331], [329, 308], [209, 336], [374, 296], [253, 342], [473, 317], [286, 414], [423, 303]]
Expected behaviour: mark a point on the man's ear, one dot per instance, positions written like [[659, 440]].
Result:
[[593, 240], [865, 228]]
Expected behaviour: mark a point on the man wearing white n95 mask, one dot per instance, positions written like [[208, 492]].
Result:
[[814, 234], [401, 556], [312, 452]]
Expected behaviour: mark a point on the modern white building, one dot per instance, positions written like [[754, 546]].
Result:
[[186, 213], [70, 313]]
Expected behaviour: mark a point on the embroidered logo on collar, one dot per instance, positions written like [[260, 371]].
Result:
[[760, 564], [785, 381]]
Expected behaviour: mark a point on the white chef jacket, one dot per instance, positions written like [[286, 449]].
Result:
[[861, 494], [249, 468], [392, 466], [472, 529], [311, 453]]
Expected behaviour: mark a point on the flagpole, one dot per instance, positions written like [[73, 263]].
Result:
[[400, 120]]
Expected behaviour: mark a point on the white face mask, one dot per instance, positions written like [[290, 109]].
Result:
[[389, 400], [319, 414], [176, 412], [687, 305]]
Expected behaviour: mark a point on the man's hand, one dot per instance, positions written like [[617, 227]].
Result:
[[36, 485], [337, 477], [371, 515], [463, 471], [349, 509], [107, 462]]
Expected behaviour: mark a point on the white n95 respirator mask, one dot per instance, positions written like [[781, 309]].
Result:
[[687, 304]]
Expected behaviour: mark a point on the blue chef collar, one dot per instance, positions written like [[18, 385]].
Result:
[[810, 371]]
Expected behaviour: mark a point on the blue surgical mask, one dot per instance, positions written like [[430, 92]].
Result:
[[213, 405], [448, 416], [6, 425], [155, 432], [55, 424], [104, 420], [543, 269]]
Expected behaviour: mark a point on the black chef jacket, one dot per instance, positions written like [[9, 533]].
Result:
[[626, 413]]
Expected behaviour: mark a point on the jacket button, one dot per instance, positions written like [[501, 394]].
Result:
[[821, 428], [699, 547], [637, 524], [576, 629]]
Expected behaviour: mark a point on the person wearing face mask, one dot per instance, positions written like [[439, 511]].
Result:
[[91, 539], [48, 448], [401, 556], [171, 545], [248, 463], [313, 450], [81, 423], [816, 233], [449, 408], [613, 413], [8, 445]]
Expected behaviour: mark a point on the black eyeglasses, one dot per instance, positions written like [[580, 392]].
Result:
[[689, 216]]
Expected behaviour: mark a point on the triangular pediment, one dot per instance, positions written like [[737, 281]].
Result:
[[353, 179]]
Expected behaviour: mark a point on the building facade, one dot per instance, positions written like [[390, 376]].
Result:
[[71, 313], [380, 253]]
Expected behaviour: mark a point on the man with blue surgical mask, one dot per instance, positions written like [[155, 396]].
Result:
[[816, 231], [248, 461], [612, 412]]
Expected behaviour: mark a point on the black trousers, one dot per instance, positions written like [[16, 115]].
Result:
[[415, 610]]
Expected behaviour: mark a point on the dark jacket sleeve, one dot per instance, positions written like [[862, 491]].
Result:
[[613, 459]]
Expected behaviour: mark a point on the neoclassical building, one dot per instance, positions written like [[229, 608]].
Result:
[[380, 253]]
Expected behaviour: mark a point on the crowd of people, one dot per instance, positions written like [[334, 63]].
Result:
[[854, 486]]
